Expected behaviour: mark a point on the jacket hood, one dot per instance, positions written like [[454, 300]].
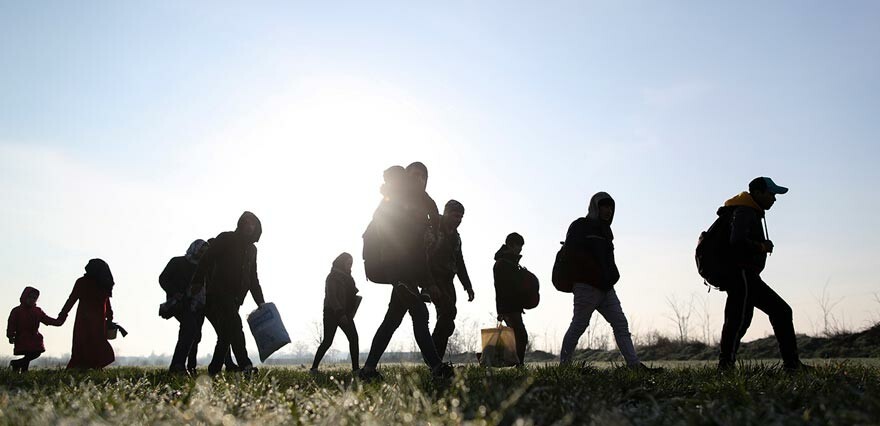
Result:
[[593, 212], [743, 199], [194, 249], [27, 292], [340, 261], [258, 231], [503, 254]]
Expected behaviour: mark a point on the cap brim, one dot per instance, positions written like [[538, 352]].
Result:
[[776, 189]]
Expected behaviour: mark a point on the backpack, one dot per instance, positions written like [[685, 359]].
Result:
[[377, 253], [529, 289], [562, 276], [713, 251], [390, 244]]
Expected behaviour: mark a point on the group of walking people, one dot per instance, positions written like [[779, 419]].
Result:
[[415, 249]]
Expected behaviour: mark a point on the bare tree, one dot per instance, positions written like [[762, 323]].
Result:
[[470, 337], [595, 337], [681, 315], [830, 324], [706, 320], [300, 350], [317, 330], [465, 338]]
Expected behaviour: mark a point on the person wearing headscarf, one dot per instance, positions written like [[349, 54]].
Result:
[[340, 304], [175, 279], [22, 329], [93, 290], [228, 272]]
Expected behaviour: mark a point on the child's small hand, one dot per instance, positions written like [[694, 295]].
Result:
[[12, 340]]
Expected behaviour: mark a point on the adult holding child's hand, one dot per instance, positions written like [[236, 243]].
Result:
[[93, 290]]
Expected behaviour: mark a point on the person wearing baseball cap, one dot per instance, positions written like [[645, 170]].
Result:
[[746, 256]]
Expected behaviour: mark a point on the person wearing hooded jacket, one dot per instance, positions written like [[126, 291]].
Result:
[[229, 268], [747, 257], [22, 329], [508, 299], [340, 304], [589, 242], [93, 290]]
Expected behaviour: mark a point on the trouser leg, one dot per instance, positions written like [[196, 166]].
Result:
[[514, 321], [738, 312], [612, 311], [586, 299], [392, 320], [446, 313], [353, 344], [780, 315], [330, 323]]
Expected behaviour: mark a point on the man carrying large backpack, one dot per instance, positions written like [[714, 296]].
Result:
[[446, 262], [735, 267], [397, 241], [594, 273]]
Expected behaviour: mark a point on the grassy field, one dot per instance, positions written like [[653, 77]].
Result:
[[845, 392]]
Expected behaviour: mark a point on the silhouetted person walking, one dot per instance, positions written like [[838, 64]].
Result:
[[508, 288], [22, 329], [229, 267], [589, 242], [93, 290], [446, 262], [340, 304], [745, 258], [176, 279], [408, 218]]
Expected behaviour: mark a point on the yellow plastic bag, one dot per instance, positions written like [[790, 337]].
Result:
[[499, 347]]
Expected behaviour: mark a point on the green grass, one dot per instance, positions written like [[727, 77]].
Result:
[[836, 393]]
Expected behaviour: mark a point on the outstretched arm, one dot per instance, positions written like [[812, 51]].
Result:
[[71, 300], [45, 319]]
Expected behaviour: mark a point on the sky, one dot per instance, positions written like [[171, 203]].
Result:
[[129, 129]]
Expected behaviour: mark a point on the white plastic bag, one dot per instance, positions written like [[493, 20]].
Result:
[[499, 347], [268, 330]]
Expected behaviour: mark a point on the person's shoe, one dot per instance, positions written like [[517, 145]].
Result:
[[370, 375], [213, 371], [249, 370], [192, 371], [443, 371], [313, 372], [15, 365]]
